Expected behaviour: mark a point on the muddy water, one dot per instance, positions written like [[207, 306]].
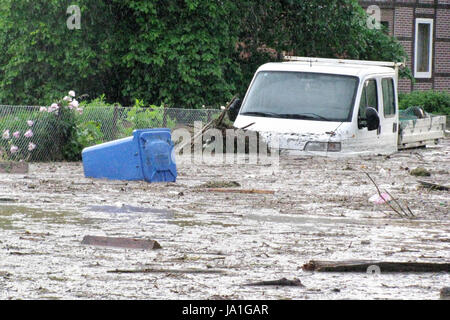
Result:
[[319, 210]]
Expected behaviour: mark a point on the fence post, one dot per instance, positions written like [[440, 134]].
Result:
[[164, 117], [59, 138], [114, 126]]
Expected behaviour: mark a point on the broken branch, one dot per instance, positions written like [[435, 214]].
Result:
[[387, 203]]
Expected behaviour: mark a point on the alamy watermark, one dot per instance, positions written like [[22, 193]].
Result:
[[74, 20], [225, 147], [373, 269]]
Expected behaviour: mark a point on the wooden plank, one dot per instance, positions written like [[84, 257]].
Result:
[[363, 265], [121, 242]]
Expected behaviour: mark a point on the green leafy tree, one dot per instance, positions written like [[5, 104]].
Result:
[[40, 58], [313, 28], [181, 53]]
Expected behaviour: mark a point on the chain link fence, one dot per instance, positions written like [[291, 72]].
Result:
[[31, 133]]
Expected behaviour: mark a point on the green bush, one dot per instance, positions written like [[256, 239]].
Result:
[[106, 114], [437, 102], [140, 117], [86, 134]]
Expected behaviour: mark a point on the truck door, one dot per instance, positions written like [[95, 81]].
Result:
[[367, 141], [388, 114], [381, 140]]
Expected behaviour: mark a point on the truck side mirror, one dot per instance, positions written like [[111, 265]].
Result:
[[373, 120], [233, 110]]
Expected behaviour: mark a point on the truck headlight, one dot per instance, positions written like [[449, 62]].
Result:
[[323, 146]]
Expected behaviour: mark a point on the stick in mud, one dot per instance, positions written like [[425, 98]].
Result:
[[387, 202]]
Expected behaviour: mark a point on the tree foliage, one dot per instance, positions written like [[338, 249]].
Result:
[[183, 53]]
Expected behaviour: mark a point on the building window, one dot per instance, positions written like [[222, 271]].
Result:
[[385, 24], [423, 48]]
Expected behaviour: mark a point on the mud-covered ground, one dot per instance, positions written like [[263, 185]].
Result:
[[320, 210]]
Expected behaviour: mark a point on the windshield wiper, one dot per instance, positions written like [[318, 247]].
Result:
[[261, 114], [304, 116], [285, 115]]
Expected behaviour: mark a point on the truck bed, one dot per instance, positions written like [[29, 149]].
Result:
[[415, 133]]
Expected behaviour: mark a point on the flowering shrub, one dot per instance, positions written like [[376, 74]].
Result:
[[43, 135], [16, 141], [66, 110]]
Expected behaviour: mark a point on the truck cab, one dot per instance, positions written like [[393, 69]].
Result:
[[325, 107]]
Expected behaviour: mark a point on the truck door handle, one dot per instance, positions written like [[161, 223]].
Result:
[[394, 127]]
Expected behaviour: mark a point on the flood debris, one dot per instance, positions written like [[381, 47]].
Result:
[[220, 184], [215, 123], [249, 191], [380, 199], [13, 167], [400, 210], [173, 271], [364, 265], [445, 293], [420, 172], [433, 186], [128, 243], [281, 282]]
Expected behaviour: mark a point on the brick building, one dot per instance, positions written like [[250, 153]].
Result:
[[423, 28]]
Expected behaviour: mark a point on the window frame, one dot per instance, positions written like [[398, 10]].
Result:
[[394, 98], [360, 119], [421, 74]]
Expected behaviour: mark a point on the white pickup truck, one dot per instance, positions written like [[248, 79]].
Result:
[[332, 107]]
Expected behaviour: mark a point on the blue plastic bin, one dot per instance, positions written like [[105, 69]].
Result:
[[147, 155]]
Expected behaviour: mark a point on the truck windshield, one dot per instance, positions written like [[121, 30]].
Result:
[[301, 95]]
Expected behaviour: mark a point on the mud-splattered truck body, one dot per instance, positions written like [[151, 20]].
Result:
[[332, 107]]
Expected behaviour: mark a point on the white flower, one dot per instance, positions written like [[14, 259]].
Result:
[[6, 134], [75, 103], [31, 146], [72, 93], [53, 107], [30, 123], [28, 134], [43, 109], [67, 98], [14, 149]]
